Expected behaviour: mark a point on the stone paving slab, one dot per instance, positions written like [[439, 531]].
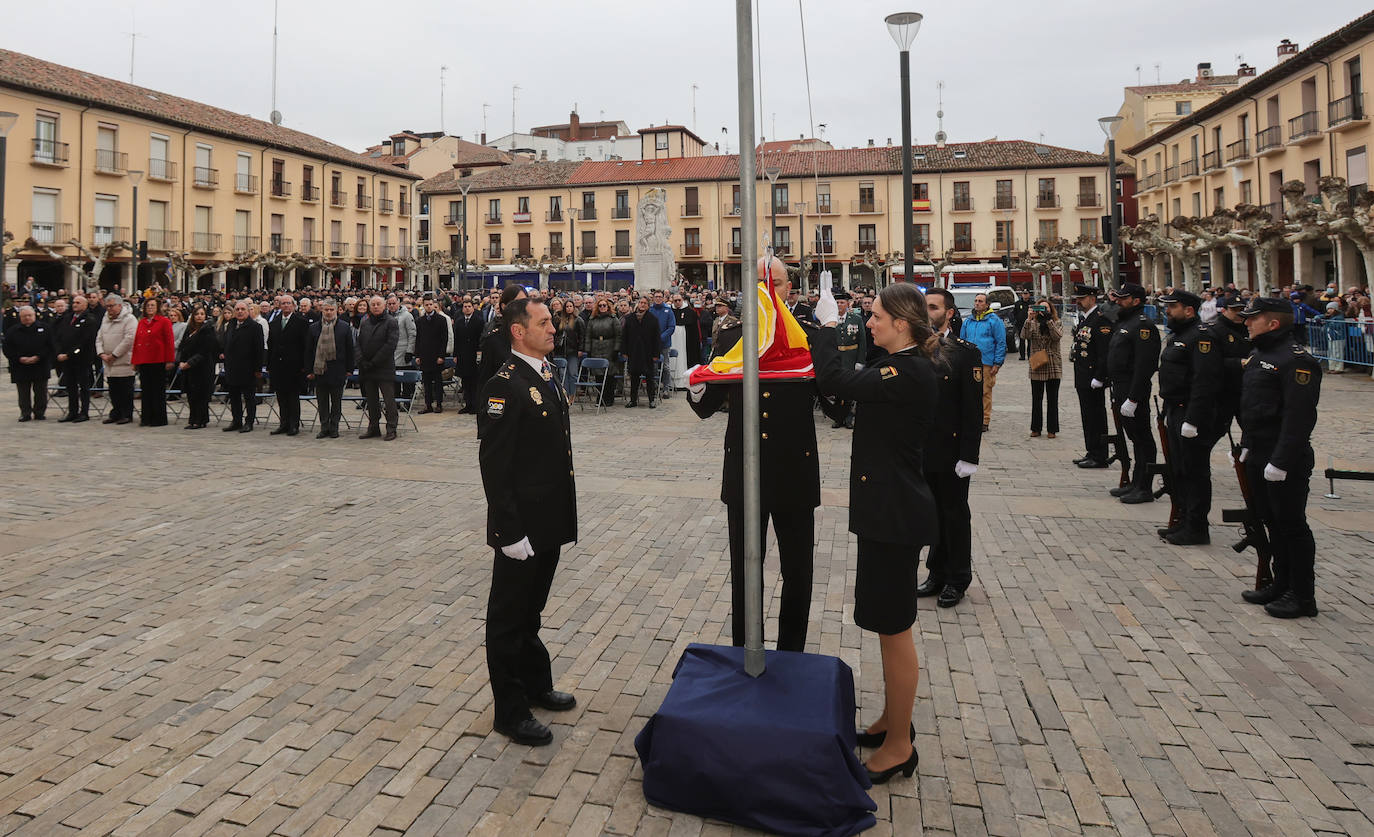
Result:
[[212, 634]]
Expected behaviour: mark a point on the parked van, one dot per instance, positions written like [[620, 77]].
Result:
[[964, 295]]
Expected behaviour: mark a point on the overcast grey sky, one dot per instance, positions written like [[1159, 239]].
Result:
[[353, 72]]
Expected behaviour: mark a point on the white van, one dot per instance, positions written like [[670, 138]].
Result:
[[964, 295]]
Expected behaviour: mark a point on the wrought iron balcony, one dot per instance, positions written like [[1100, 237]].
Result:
[[163, 240], [244, 243], [691, 251], [1303, 128], [1004, 202], [1341, 113], [521, 217], [493, 217], [386, 205], [205, 242], [825, 207], [865, 207], [620, 251], [50, 232], [963, 245], [554, 252], [1269, 140], [451, 220], [363, 201], [865, 245], [1089, 201], [280, 188], [162, 170], [588, 213], [824, 247], [1211, 161], [586, 252], [962, 203], [246, 184], [50, 152], [1188, 169], [111, 162], [734, 248], [338, 249], [730, 210], [1047, 200], [1171, 173], [554, 216], [310, 194], [691, 210], [364, 251], [278, 243], [337, 198], [312, 246], [1238, 151], [101, 236], [405, 207], [620, 213], [386, 251], [204, 178], [494, 253]]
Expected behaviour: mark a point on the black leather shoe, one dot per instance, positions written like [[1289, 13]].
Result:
[[1289, 606], [66, 419], [1185, 538], [390, 436], [875, 739], [529, 731], [333, 434], [1083, 458], [293, 432], [1091, 463], [906, 768], [950, 596], [929, 587], [370, 433], [426, 411], [1263, 596], [109, 420], [279, 431], [554, 701], [629, 404], [1166, 531], [1122, 490], [1140, 495], [125, 420], [323, 434], [247, 428], [80, 418], [25, 418], [231, 428]]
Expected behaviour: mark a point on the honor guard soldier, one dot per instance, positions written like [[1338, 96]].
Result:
[[494, 349], [1232, 338], [525, 454], [1090, 341], [1278, 410], [1132, 358], [1190, 379], [849, 333]]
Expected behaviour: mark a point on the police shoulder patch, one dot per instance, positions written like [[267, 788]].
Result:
[[888, 372], [496, 407], [1302, 376], [1106, 329], [1145, 333], [1204, 346], [978, 373]]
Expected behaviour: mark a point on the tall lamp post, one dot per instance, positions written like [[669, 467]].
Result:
[[463, 239], [1110, 125], [772, 172], [572, 254], [903, 27], [7, 121], [135, 177]]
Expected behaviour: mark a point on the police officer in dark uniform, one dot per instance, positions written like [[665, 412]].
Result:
[[1190, 379], [495, 346], [1232, 338], [951, 455], [850, 332], [1280, 389], [525, 454], [74, 334], [1090, 341], [1132, 358]]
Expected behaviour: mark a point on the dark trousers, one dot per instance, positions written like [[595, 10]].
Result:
[[1019, 343], [76, 377], [634, 374], [152, 379], [380, 395], [432, 379], [1190, 470], [407, 389], [1092, 411], [795, 531], [517, 661], [329, 401], [121, 396], [950, 560], [243, 397], [33, 397], [289, 404], [1047, 391], [1282, 506], [198, 388], [1142, 439], [470, 387]]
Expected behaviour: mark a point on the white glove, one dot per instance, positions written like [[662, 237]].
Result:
[[695, 391], [963, 470], [858, 366], [519, 551], [1128, 408], [1187, 431], [1096, 384], [827, 311], [1244, 454], [1273, 474]]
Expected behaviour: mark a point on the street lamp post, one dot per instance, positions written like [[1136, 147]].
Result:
[[572, 254], [463, 239], [772, 173], [903, 27], [7, 120], [135, 177], [1110, 125]]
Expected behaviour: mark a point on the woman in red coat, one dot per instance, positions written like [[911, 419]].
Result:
[[153, 356]]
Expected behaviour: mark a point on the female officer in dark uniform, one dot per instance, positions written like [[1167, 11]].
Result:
[[891, 509]]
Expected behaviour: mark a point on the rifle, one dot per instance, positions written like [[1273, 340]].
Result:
[[1166, 468], [1253, 534], [1120, 452]]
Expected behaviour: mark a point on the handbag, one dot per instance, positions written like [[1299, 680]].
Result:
[[1039, 359]]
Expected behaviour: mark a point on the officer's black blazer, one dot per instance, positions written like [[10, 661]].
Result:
[[956, 431], [431, 339], [1132, 357], [243, 352], [525, 454], [467, 337], [287, 347], [74, 335], [1090, 341]]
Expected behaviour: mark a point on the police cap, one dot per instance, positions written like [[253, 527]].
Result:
[[1079, 290], [1132, 289], [1266, 305], [1183, 298], [841, 294]]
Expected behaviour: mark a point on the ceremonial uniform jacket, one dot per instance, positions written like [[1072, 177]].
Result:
[[1278, 401], [849, 336], [889, 500], [1133, 357], [1090, 342], [525, 455], [956, 430], [789, 464], [1190, 370], [494, 352], [1233, 340]]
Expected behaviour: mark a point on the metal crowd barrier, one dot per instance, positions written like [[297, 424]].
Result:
[[1340, 342]]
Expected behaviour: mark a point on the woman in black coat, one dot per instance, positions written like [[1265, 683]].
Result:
[[891, 509], [196, 358]]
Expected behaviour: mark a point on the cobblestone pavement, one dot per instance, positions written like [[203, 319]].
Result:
[[204, 633]]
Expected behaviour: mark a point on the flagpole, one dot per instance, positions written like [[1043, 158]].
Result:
[[753, 557]]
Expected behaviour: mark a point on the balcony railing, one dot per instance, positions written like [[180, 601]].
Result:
[[518, 252], [825, 207], [620, 213], [586, 252], [278, 243], [963, 245], [783, 248], [161, 170], [691, 250], [1211, 161], [386, 205], [363, 201], [553, 252], [588, 213], [101, 236], [1188, 168], [494, 253], [1147, 183], [244, 243], [730, 210], [337, 198], [1238, 150], [1089, 201], [1303, 126], [780, 209], [404, 209], [246, 184], [1047, 200], [734, 248], [204, 178], [554, 216], [338, 249], [400, 252], [205, 242], [1348, 109], [364, 251], [50, 152], [312, 246], [865, 245], [163, 239], [280, 188], [452, 220], [824, 247], [518, 217], [386, 251], [310, 194], [620, 251], [865, 207], [1276, 210], [691, 210], [1269, 139], [50, 232], [111, 162], [1003, 245], [493, 218], [1004, 202], [1171, 173], [961, 204]]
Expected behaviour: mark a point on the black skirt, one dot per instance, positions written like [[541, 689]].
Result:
[[885, 586]]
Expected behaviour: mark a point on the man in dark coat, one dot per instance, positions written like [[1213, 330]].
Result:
[[288, 341], [640, 347], [329, 370], [432, 336], [29, 349], [74, 335], [1132, 359], [525, 457], [243, 355], [495, 345], [377, 340], [1090, 341], [467, 338]]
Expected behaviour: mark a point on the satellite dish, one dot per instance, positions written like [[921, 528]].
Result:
[[276, 117]]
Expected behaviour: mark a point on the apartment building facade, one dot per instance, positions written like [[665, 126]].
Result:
[[212, 187]]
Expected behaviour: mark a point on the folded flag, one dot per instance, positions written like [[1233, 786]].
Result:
[[783, 349]]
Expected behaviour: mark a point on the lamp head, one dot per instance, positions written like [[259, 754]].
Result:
[[1110, 125], [772, 173], [7, 121], [135, 176], [903, 26], [572, 212]]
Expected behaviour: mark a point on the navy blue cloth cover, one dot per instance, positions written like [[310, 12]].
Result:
[[774, 753]]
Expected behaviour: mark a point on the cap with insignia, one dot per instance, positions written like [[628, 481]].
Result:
[[1237, 302], [1133, 290], [1080, 290], [841, 294], [1182, 297], [1266, 305]]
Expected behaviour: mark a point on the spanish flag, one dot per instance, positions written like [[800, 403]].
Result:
[[783, 349], [920, 204]]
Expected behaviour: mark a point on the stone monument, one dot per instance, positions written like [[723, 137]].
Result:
[[654, 264]]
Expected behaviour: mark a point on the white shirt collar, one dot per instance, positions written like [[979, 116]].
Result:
[[1090, 310], [536, 363]]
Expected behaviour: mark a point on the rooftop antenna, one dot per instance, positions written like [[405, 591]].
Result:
[[276, 114], [133, 37], [1137, 75], [442, 69], [514, 88], [484, 118], [940, 135], [1156, 72], [694, 107], [726, 132]]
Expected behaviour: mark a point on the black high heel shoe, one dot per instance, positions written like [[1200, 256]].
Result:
[[906, 768], [876, 739]]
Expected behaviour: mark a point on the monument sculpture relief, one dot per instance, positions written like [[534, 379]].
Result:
[[654, 265]]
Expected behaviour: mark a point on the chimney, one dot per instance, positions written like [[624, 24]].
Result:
[[1287, 49], [1204, 72], [574, 127], [1246, 71], [484, 138], [870, 143]]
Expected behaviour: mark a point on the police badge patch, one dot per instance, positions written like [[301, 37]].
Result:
[[535, 396], [1144, 334], [496, 407], [978, 374], [1302, 376], [1106, 329], [888, 372], [1204, 346]]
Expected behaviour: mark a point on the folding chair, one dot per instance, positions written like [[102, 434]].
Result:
[[665, 375], [594, 375], [403, 405]]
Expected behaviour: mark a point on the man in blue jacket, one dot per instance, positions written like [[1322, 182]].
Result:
[[667, 322], [988, 332]]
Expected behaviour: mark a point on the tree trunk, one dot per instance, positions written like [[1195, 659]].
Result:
[[1264, 266]]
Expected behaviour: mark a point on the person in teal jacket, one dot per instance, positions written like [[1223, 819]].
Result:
[[988, 332]]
